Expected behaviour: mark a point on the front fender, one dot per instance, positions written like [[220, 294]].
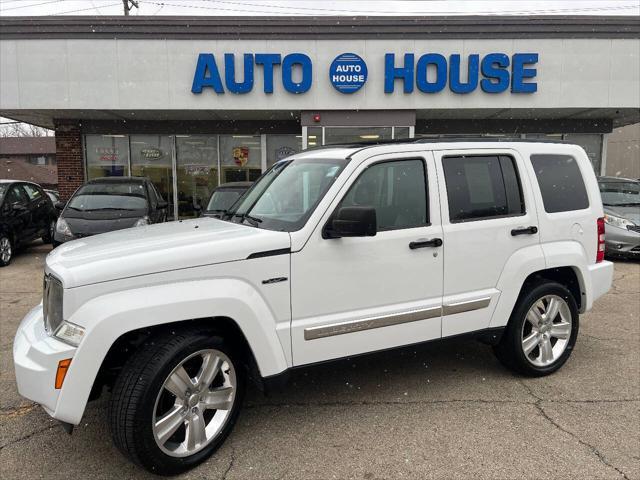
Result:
[[108, 317]]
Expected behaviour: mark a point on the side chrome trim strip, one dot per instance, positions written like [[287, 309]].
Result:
[[466, 306], [370, 323]]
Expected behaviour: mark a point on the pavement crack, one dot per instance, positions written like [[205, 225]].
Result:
[[592, 448], [27, 437], [230, 466], [17, 412]]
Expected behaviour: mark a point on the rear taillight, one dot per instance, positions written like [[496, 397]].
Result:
[[600, 254]]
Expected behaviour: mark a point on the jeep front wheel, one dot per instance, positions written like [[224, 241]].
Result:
[[176, 400]]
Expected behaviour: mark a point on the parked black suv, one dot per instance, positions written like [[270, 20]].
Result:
[[26, 213], [107, 204], [223, 196]]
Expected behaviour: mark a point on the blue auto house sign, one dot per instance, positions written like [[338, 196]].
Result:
[[427, 73], [348, 73]]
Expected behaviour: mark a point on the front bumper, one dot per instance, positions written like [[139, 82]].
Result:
[[36, 356], [622, 242]]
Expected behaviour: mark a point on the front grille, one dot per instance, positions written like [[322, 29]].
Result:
[[634, 228]]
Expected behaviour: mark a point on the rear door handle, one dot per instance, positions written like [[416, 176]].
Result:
[[421, 243], [532, 230]]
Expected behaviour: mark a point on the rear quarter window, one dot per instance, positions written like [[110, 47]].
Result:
[[561, 183]]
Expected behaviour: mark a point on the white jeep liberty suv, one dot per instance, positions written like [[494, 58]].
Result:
[[333, 252]]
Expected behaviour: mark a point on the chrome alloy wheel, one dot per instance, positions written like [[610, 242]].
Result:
[[5, 249], [194, 403], [546, 331]]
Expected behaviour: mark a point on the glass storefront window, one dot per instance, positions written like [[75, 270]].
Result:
[[240, 158], [355, 134], [107, 156], [152, 157], [400, 133], [282, 146], [197, 172]]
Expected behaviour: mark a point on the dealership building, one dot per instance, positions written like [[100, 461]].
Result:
[[192, 102]]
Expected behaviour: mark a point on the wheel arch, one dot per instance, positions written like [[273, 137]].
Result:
[[123, 318], [125, 346]]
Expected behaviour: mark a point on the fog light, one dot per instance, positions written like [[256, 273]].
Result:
[[63, 366]]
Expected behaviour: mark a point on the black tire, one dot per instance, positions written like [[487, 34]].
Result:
[[132, 403], [510, 351], [48, 237], [6, 256]]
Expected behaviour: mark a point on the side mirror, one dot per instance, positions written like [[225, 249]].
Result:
[[60, 205], [162, 204], [17, 207], [352, 222]]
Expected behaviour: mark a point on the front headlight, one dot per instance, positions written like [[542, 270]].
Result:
[[617, 221], [62, 227], [52, 303], [70, 333], [142, 222]]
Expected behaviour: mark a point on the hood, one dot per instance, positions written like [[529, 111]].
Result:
[[631, 213], [157, 248]]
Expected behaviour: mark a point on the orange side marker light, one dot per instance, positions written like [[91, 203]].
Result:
[[63, 366]]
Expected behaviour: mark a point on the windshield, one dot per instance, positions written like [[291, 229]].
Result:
[[621, 194], [287, 194], [221, 200], [109, 196]]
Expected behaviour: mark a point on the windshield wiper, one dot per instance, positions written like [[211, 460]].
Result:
[[254, 221]]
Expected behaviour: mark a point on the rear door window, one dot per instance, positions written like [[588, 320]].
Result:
[[560, 182], [482, 187]]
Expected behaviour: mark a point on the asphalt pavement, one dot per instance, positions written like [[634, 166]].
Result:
[[444, 410]]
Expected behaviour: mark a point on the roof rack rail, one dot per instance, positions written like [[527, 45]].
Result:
[[374, 143]]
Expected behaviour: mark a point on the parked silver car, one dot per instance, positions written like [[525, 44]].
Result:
[[621, 201]]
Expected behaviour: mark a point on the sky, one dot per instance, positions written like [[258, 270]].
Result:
[[326, 7]]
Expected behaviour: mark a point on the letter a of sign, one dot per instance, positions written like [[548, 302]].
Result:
[[206, 63]]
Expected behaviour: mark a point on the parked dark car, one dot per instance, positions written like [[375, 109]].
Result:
[[621, 201], [26, 213], [108, 204], [223, 196]]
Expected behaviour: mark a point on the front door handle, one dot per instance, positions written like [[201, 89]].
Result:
[[532, 230], [421, 243]]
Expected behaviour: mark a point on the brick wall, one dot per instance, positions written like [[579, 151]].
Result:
[[69, 157]]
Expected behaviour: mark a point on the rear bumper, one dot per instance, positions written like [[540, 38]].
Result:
[[36, 356], [601, 279]]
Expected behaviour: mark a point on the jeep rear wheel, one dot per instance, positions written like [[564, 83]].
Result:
[[542, 331], [176, 400]]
